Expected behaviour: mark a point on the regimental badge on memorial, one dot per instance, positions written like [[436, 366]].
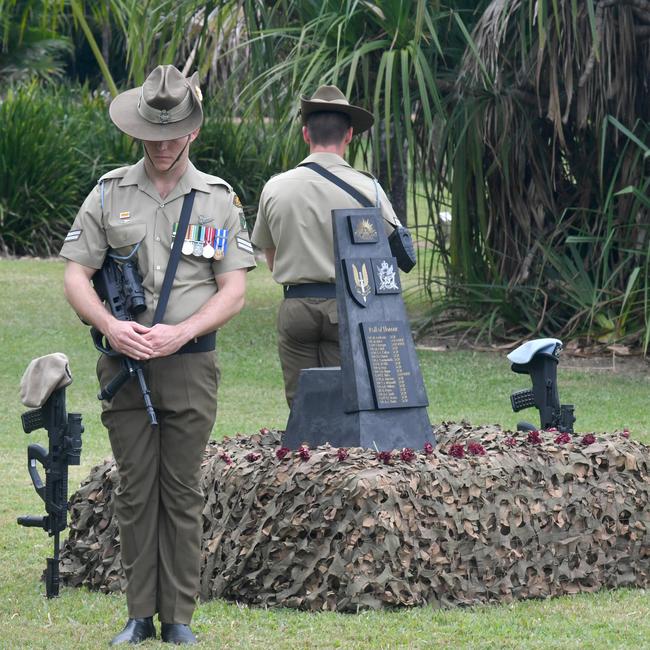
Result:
[[363, 229], [386, 276], [359, 279]]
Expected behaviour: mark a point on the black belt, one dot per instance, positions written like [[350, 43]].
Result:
[[205, 343], [310, 290]]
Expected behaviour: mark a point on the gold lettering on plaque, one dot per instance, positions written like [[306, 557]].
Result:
[[389, 369]]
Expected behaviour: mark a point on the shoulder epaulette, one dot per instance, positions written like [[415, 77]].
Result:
[[214, 180], [120, 172], [365, 173], [282, 175]]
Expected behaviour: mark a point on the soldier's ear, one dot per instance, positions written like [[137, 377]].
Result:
[[195, 134], [305, 135]]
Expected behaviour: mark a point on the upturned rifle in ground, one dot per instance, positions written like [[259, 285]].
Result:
[[64, 434]]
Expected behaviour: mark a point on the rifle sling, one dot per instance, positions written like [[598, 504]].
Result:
[[174, 256]]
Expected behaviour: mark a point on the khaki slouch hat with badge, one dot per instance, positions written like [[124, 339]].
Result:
[[331, 100], [167, 106]]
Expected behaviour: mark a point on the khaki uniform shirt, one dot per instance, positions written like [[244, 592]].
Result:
[[125, 210], [295, 217]]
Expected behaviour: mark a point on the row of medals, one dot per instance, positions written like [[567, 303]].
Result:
[[205, 241]]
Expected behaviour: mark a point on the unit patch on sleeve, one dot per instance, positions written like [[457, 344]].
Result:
[[244, 244], [73, 235]]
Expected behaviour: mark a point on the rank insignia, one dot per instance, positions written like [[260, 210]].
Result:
[[386, 275], [124, 216], [244, 244], [203, 219], [73, 235], [359, 280], [363, 229]]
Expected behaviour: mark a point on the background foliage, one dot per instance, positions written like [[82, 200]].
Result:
[[544, 157], [525, 120]]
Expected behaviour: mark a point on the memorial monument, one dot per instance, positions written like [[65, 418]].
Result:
[[377, 398]]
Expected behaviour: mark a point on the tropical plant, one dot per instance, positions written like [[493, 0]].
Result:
[[193, 34], [548, 200], [31, 44], [383, 55]]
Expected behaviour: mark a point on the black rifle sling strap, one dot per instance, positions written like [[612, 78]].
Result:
[[174, 256], [352, 191], [401, 244]]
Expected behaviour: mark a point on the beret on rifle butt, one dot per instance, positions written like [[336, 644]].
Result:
[[42, 377]]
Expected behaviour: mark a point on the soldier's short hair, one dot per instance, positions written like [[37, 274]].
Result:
[[327, 127]]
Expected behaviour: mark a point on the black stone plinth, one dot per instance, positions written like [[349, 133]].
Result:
[[377, 398], [317, 417], [369, 298]]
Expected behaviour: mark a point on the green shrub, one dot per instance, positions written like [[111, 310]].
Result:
[[40, 169], [101, 147]]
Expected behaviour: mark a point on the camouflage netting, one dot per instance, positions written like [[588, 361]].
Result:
[[486, 516]]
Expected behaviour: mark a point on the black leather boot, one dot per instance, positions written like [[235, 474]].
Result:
[[136, 630], [177, 633]]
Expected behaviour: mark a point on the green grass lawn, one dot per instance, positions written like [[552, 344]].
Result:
[[462, 384]]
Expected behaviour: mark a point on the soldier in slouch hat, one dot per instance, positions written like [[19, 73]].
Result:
[[294, 228], [134, 213]]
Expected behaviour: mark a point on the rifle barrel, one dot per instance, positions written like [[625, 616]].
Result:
[[146, 396]]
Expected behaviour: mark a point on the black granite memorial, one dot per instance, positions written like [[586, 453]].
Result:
[[376, 399]]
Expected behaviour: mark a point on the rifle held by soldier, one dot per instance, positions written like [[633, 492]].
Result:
[[120, 287]]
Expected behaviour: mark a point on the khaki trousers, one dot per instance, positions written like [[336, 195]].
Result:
[[158, 501], [308, 337]]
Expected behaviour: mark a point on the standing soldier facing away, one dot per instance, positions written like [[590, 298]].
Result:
[[294, 228], [134, 211]]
